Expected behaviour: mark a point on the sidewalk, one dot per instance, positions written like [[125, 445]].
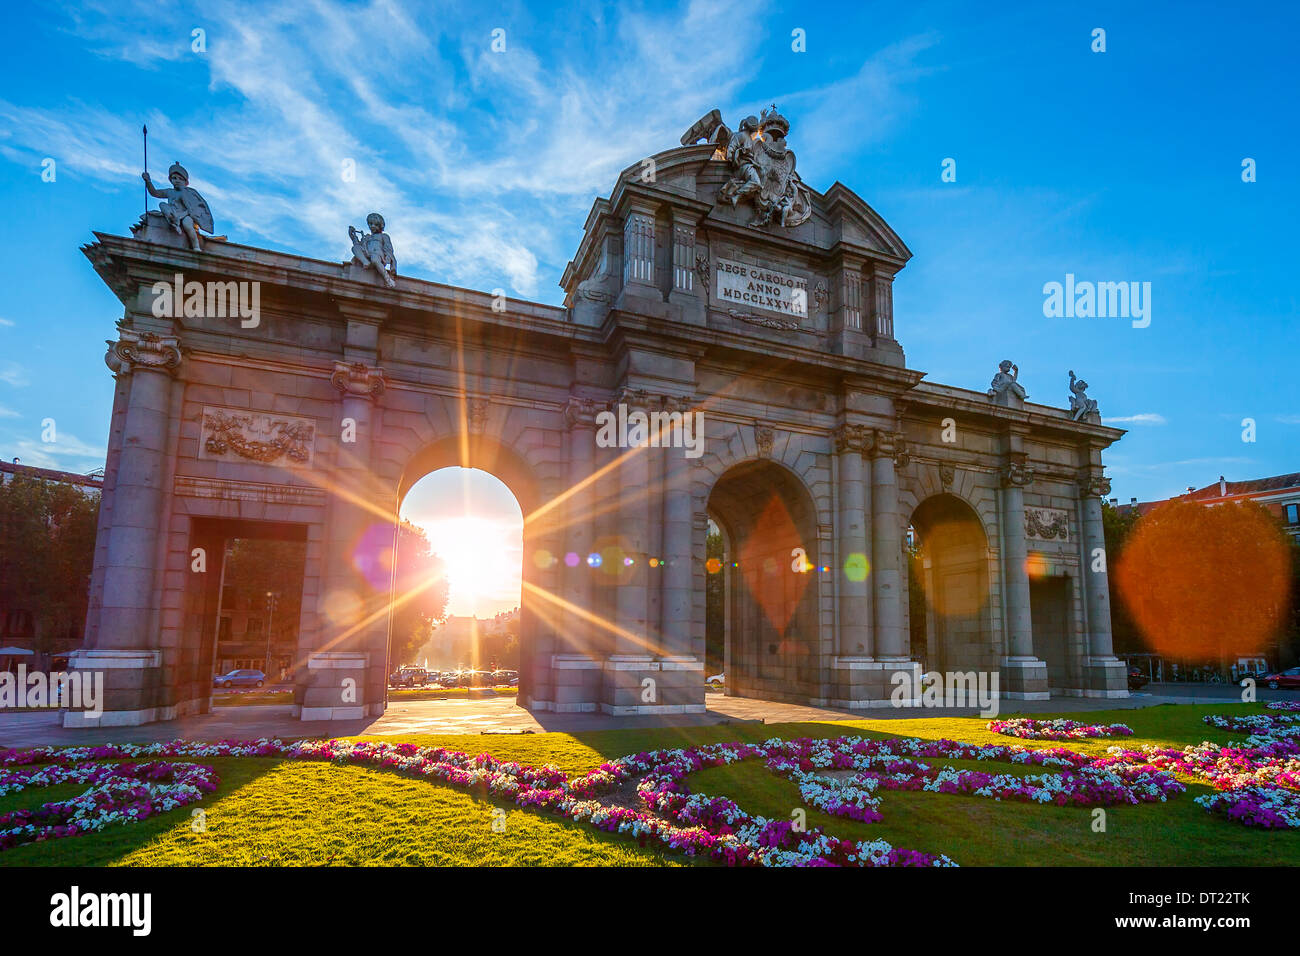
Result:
[[502, 715]]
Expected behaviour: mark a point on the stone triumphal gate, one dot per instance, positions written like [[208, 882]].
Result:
[[712, 280]]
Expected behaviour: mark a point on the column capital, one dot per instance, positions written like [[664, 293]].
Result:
[[358, 380], [852, 437], [891, 444], [1093, 485], [136, 351], [1017, 473], [634, 399]]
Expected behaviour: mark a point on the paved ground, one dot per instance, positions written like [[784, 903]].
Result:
[[502, 715]]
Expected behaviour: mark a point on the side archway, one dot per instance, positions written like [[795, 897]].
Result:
[[954, 628], [770, 587]]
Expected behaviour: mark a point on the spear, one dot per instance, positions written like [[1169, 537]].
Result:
[[146, 168]]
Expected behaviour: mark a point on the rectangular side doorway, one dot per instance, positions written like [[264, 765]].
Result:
[[1049, 606]]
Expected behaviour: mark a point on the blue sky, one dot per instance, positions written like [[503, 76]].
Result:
[[1122, 165]]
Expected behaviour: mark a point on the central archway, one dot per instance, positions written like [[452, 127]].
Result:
[[768, 526], [535, 562], [956, 629]]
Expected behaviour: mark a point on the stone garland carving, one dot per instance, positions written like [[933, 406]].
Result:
[[1047, 524], [820, 297], [134, 351], [702, 269], [764, 435], [358, 379], [947, 473], [769, 323], [260, 438]]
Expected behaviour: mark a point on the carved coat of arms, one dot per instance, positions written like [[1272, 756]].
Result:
[[762, 166]]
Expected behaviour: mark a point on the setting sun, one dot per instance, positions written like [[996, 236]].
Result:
[[476, 527]]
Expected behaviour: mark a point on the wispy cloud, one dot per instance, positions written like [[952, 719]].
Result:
[[8, 413], [68, 453], [1142, 418], [479, 160], [11, 373]]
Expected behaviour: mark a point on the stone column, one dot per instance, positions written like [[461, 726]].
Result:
[[1106, 675], [634, 526], [577, 662], [350, 648], [580, 416], [886, 547], [677, 576], [851, 441], [126, 644], [150, 360], [1015, 573], [1025, 676]]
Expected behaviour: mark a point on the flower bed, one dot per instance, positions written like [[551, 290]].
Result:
[[118, 794], [1258, 782], [1059, 729]]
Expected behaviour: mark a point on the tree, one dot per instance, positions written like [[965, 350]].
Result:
[[420, 596], [255, 566], [48, 529], [1207, 584], [715, 636], [1118, 527]]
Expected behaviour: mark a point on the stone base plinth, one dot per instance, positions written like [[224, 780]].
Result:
[[676, 685], [332, 687], [1105, 677], [860, 683], [1024, 678], [131, 688]]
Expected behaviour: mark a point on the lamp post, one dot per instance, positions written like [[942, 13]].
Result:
[[271, 598]]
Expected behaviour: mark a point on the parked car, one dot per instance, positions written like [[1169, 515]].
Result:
[[505, 678], [1287, 678], [244, 677], [717, 681], [409, 677], [476, 679], [1136, 679]]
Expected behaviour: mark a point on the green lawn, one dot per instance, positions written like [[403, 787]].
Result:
[[271, 812]]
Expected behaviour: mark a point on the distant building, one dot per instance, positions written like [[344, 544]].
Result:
[[18, 624], [91, 483], [1279, 494]]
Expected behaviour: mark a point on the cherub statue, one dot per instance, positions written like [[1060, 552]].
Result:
[[739, 154], [183, 208], [1005, 382], [375, 250], [1081, 406]]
